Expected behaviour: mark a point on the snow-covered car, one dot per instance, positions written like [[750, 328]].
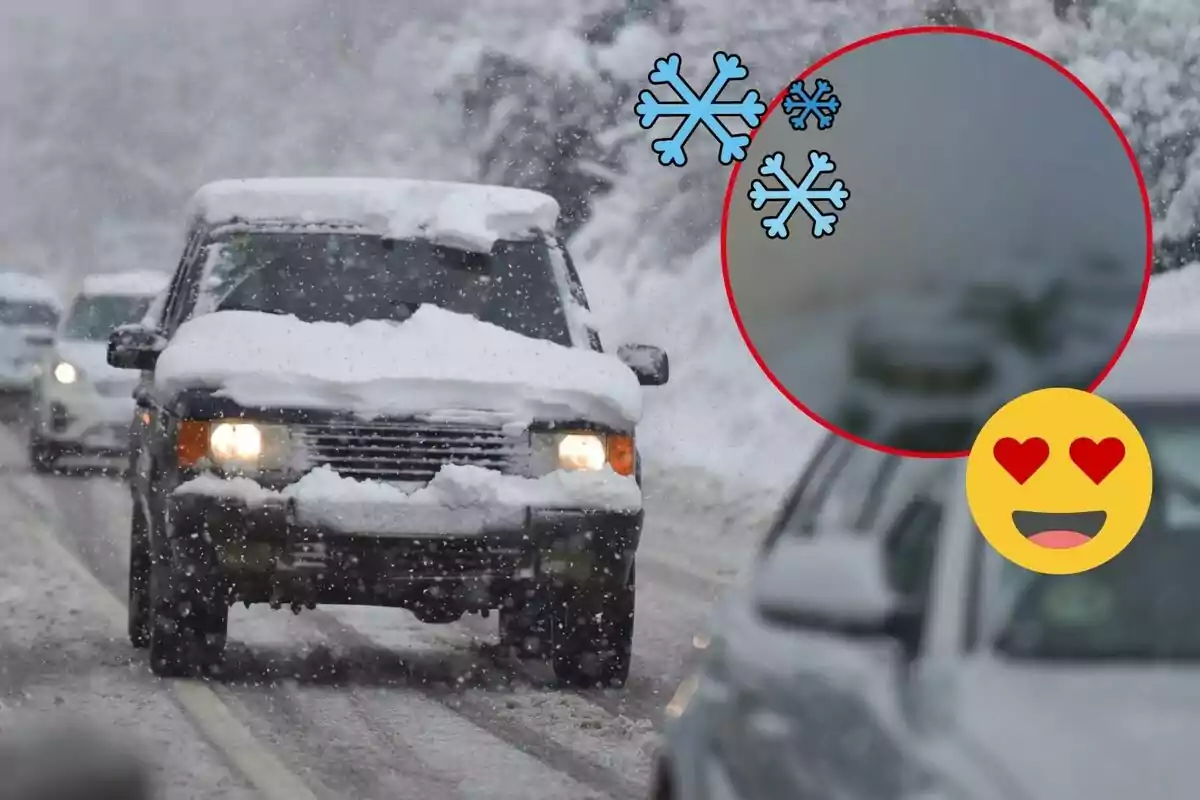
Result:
[[29, 312], [881, 648], [389, 393], [918, 379], [79, 404]]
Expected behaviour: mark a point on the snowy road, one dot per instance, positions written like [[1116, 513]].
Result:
[[339, 702]]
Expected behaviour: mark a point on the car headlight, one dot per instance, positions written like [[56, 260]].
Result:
[[583, 451], [237, 446], [65, 373]]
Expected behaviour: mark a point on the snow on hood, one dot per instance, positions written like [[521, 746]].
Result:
[[435, 362], [91, 358], [460, 500], [466, 215], [1074, 733]]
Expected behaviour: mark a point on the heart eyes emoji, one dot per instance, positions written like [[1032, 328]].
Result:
[[1096, 460]]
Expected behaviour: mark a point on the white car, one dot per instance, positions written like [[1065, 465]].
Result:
[[882, 648], [81, 405], [29, 311]]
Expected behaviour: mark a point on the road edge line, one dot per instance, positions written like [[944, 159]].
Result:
[[265, 772]]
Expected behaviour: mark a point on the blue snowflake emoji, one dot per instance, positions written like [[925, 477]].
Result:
[[822, 104], [697, 110], [800, 195]]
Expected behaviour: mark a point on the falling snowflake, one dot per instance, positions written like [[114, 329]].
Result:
[[696, 110], [798, 195], [822, 104]]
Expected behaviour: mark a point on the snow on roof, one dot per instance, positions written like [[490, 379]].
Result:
[[435, 363], [26, 287], [128, 283], [467, 215]]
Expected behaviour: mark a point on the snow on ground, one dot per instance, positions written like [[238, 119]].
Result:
[[436, 360], [463, 215], [59, 654]]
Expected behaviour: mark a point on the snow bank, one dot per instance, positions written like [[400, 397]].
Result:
[[436, 361], [460, 500], [471, 216], [1173, 302], [126, 283]]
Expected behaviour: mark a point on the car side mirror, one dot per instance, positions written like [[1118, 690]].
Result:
[[648, 362], [134, 347], [834, 585]]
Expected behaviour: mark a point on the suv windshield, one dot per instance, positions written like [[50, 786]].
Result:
[[14, 312], [93, 318], [352, 277], [1142, 605]]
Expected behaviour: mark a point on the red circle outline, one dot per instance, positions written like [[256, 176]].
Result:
[[945, 29]]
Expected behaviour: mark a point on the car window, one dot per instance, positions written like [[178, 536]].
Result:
[[93, 318], [912, 524], [1139, 606], [845, 495]]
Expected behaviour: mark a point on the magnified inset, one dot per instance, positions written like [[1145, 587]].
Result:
[[965, 224]]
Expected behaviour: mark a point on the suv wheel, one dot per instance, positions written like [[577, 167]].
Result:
[[523, 630], [591, 635], [139, 580], [189, 616], [43, 456]]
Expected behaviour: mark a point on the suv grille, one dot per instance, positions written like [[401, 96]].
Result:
[[409, 451]]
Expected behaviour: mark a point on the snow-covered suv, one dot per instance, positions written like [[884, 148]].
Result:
[[390, 393]]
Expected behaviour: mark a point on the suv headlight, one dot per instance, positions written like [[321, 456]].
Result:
[[238, 446], [583, 451], [65, 373]]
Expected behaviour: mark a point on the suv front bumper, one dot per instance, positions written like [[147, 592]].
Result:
[[269, 552]]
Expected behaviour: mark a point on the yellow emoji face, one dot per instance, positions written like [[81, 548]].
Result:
[[1059, 481]]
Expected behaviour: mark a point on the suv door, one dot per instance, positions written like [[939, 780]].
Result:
[[154, 440]]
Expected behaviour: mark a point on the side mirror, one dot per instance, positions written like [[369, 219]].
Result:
[[836, 586], [649, 363], [134, 347]]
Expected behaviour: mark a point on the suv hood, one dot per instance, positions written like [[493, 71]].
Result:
[[435, 362]]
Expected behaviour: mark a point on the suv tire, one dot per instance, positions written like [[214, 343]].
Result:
[[140, 563], [591, 635], [523, 628], [43, 456], [189, 615]]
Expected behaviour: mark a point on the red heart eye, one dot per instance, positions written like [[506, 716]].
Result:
[[1095, 459], [1021, 459]]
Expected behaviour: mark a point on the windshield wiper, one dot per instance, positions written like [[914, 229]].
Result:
[[248, 307]]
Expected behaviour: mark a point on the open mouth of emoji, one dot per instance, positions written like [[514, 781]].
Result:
[[1056, 531]]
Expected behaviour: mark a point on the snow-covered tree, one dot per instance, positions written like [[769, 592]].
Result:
[[1142, 57]]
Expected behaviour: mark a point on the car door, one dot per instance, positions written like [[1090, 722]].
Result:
[[854, 727]]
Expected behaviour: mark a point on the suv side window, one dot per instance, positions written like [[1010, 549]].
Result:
[[575, 287], [186, 288]]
